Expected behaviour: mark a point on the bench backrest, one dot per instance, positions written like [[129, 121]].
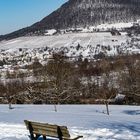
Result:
[[46, 129]]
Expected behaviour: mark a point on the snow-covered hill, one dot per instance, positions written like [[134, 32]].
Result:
[[83, 13], [87, 120]]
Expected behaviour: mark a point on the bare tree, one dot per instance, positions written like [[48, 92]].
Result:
[[106, 90], [129, 79], [11, 86], [60, 73]]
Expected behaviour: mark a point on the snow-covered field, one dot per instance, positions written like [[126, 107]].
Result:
[[87, 120], [103, 38]]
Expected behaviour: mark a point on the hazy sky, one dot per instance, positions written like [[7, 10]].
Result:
[[16, 14]]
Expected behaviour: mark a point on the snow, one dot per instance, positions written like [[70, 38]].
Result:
[[12, 42], [103, 38], [87, 120], [118, 26], [120, 96], [50, 32]]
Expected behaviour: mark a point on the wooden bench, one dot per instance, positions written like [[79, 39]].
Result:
[[38, 129]]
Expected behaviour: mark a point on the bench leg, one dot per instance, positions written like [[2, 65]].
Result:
[[37, 136], [32, 136], [31, 132], [44, 138]]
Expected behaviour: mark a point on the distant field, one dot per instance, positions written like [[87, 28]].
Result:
[[103, 38]]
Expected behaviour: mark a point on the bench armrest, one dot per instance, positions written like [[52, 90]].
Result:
[[78, 137]]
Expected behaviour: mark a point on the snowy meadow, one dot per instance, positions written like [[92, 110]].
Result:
[[91, 121]]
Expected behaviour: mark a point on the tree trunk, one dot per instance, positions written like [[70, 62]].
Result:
[[55, 108], [10, 106], [107, 108]]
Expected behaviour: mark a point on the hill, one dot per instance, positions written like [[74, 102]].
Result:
[[83, 13]]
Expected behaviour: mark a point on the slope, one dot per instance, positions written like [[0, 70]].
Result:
[[83, 13]]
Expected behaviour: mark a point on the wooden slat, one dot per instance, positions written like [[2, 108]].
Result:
[[47, 130], [41, 124], [64, 130], [47, 125], [45, 133], [49, 133]]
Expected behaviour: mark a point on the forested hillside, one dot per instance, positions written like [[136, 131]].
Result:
[[83, 13]]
